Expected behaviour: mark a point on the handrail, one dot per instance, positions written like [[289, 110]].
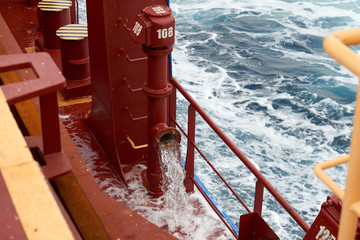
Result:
[[213, 168], [242, 157], [336, 45], [19, 171], [326, 179], [48, 80]]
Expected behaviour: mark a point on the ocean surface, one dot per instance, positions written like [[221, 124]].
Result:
[[259, 70]]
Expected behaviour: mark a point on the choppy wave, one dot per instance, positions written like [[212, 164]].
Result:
[[258, 68]]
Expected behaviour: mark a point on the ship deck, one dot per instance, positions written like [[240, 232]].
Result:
[[93, 213]]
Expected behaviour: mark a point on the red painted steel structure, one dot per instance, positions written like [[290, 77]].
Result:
[[74, 9], [120, 107], [253, 226], [48, 81], [154, 29], [119, 72], [96, 214], [118, 99], [326, 224]]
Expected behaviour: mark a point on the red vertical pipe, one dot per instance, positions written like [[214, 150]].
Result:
[[157, 92], [259, 195]]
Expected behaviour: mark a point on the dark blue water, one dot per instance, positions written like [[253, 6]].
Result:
[[259, 69]]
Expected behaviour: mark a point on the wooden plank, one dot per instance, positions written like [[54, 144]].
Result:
[[38, 211]]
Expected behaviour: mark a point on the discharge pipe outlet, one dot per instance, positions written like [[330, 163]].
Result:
[[154, 29], [164, 136]]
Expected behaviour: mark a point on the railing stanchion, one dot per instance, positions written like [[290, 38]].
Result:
[[190, 155], [259, 194], [50, 123], [172, 109], [337, 46]]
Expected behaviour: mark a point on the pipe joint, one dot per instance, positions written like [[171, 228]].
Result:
[[158, 93]]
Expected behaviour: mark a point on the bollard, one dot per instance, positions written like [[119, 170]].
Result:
[[53, 15], [74, 51]]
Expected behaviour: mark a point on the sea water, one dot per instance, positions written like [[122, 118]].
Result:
[[259, 70]]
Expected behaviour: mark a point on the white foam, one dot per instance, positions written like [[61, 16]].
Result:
[[185, 216], [286, 151]]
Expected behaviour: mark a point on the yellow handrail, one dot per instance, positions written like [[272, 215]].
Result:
[[336, 45], [326, 179], [133, 144]]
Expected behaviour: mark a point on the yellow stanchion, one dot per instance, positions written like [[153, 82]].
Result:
[[336, 45]]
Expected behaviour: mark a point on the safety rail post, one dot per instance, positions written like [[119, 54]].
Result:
[[172, 109], [50, 123], [190, 154], [336, 45], [259, 195]]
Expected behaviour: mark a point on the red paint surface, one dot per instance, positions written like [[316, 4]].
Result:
[[10, 224], [22, 21]]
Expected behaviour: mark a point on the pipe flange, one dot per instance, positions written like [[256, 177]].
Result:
[[158, 93], [158, 51]]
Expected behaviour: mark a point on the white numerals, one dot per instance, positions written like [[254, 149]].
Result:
[[158, 10], [324, 234], [137, 28], [165, 33]]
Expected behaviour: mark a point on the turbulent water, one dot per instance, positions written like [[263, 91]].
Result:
[[259, 70]]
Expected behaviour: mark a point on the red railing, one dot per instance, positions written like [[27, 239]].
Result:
[[47, 81], [190, 157]]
